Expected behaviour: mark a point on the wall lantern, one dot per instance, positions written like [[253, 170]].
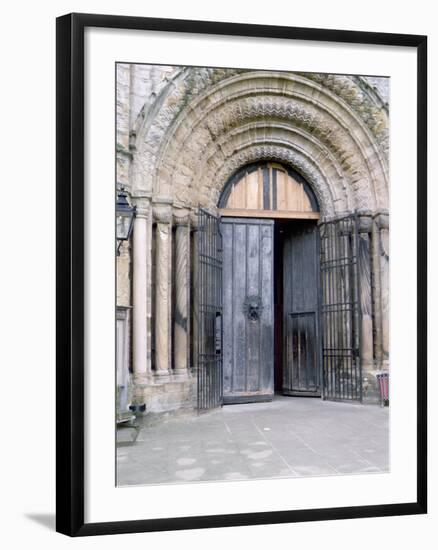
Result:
[[125, 218]]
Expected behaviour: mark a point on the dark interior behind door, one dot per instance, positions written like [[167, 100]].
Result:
[[301, 355]]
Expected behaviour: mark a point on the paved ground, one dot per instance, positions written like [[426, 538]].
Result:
[[286, 438]]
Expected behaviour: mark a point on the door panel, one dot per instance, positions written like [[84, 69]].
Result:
[[301, 372], [301, 353], [248, 328]]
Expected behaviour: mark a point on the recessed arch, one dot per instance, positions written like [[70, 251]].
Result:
[[331, 193], [270, 186]]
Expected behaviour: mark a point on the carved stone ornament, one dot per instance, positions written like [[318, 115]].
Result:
[[332, 130], [252, 307]]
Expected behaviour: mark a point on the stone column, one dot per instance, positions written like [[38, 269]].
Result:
[[366, 354], [139, 292], [383, 225], [181, 281], [163, 217]]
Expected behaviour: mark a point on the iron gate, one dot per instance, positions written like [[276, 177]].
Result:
[[210, 311], [340, 310]]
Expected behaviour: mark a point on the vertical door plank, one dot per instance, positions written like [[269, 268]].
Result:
[[252, 191], [239, 294], [248, 344], [228, 313], [253, 290], [266, 337]]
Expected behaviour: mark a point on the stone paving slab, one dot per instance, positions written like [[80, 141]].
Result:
[[290, 437]]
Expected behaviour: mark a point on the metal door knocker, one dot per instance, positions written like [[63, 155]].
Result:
[[252, 307]]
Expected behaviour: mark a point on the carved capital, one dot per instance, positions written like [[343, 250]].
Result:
[[194, 220], [181, 218], [365, 221], [382, 220], [162, 214], [142, 205]]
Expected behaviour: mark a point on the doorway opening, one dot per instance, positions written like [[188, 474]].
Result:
[[270, 308], [270, 261], [278, 294], [297, 342]]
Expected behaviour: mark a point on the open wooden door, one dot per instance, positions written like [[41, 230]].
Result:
[[248, 309]]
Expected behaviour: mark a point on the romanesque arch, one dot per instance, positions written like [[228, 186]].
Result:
[[329, 129], [195, 129]]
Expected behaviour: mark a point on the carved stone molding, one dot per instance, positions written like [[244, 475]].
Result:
[[204, 106], [330, 197], [318, 126], [353, 91], [330, 128]]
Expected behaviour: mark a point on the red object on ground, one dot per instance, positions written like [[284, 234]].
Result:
[[383, 380]]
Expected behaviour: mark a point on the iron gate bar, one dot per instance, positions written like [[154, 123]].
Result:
[[209, 372], [340, 309]]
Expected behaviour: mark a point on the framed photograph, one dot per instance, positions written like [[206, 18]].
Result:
[[241, 274]]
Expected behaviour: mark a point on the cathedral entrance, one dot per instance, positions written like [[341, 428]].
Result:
[[270, 309], [263, 305], [297, 308]]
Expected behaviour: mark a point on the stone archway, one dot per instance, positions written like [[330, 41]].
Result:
[[198, 128], [279, 116]]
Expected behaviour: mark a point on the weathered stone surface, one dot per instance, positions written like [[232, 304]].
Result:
[[170, 396], [123, 281], [163, 293]]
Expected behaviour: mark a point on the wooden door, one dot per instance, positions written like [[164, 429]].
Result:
[[248, 311], [301, 357]]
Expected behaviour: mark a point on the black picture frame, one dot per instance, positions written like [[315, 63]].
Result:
[[70, 273]]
